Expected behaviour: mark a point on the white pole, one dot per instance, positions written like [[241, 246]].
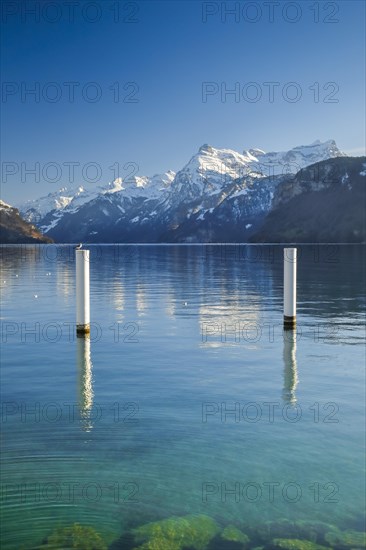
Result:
[[289, 287], [82, 292]]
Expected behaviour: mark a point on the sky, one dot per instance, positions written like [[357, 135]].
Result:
[[137, 87]]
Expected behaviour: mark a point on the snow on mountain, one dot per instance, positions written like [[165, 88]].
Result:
[[214, 183], [285, 162], [4, 205], [209, 171], [65, 198], [146, 187], [70, 199]]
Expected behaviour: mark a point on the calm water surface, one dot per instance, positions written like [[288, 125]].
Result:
[[187, 398]]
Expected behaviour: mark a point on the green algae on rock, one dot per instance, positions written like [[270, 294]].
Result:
[[313, 531], [346, 539], [76, 536], [233, 534], [297, 544], [176, 533], [160, 543]]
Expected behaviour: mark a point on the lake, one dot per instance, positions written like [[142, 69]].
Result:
[[188, 397]]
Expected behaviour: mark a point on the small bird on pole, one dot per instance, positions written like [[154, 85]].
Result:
[[79, 246]]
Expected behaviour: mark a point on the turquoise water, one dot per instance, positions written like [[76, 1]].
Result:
[[188, 398]]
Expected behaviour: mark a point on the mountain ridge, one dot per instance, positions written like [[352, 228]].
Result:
[[15, 230], [325, 202], [210, 167], [218, 195]]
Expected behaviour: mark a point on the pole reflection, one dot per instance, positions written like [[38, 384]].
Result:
[[290, 377], [85, 381]]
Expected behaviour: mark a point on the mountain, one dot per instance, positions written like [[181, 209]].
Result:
[[15, 230], [70, 199], [124, 208], [219, 195], [325, 202]]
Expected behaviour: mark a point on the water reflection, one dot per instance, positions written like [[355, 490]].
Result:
[[290, 378], [118, 295], [85, 381], [141, 295]]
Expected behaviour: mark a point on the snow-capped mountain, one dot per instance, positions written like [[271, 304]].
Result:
[[219, 192], [209, 171], [70, 199]]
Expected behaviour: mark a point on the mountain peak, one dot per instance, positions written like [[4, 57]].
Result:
[[206, 148]]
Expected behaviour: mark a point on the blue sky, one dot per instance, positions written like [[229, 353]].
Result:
[[161, 54]]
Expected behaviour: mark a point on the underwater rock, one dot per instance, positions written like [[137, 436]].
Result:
[[232, 534], [176, 533], [76, 536], [296, 544], [159, 543], [346, 539], [312, 530], [282, 528], [300, 529]]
